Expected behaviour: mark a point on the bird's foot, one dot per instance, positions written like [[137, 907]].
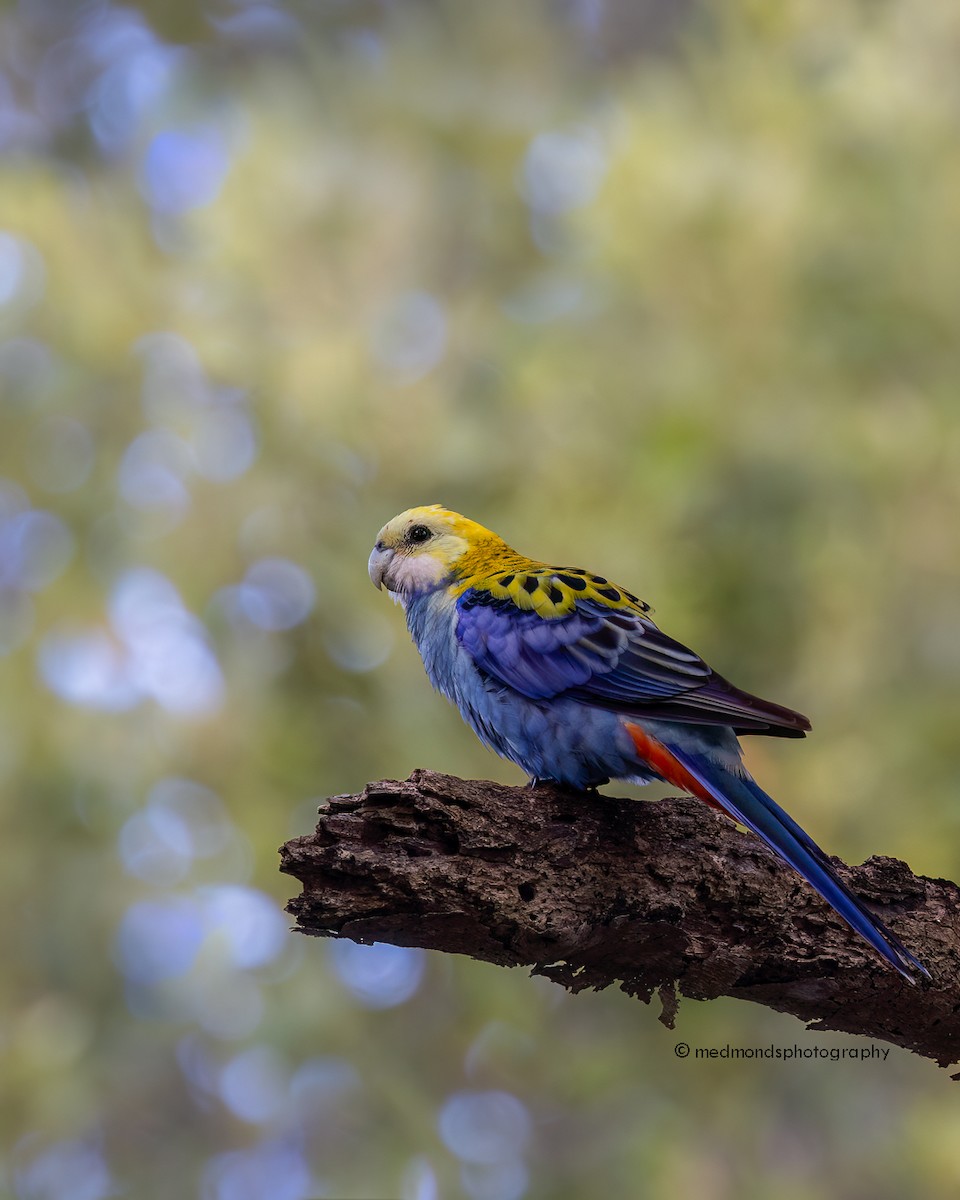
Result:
[[589, 789]]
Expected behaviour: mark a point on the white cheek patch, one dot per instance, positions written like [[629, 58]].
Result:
[[421, 573]]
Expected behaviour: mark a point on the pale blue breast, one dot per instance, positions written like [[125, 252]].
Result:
[[565, 740]]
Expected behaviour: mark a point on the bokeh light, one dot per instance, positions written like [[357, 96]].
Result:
[[181, 821], [410, 335], [485, 1128], [563, 170], [152, 473], [246, 921], [159, 939], [35, 547], [275, 594], [253, 1085], [72, 1168], [379, 975], [184, 169], [270, 1171], [21, 271]]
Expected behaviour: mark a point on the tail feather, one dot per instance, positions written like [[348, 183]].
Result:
[[746, 802]]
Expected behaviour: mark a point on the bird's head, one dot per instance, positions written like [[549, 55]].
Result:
[[425, 548]]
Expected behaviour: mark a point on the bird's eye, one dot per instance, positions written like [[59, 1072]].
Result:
[[419, 533]]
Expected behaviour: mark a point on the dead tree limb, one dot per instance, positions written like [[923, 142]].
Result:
[[661, 897]]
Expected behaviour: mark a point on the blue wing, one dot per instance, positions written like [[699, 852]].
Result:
[[612, 658]]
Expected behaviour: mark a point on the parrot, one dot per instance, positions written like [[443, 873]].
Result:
[[565, 674]]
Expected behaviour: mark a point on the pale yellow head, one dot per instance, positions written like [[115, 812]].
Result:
[[426, 548]]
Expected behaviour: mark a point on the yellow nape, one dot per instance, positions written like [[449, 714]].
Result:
[[476, 557]]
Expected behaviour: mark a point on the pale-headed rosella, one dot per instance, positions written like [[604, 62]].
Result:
[[565, 674]]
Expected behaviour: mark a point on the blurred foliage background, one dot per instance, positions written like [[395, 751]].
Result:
[[669, 290]]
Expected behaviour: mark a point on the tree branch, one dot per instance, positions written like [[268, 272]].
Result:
[[661, 897]]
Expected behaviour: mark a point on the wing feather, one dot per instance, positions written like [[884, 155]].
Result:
[[614, 658]]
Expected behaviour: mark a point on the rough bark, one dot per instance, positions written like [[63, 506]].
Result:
[[665, 897]]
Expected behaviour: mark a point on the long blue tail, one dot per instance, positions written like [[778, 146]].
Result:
[[751, 806]]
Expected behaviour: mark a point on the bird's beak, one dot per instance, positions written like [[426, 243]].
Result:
[[378, 564]]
